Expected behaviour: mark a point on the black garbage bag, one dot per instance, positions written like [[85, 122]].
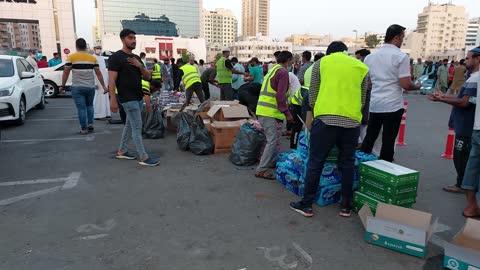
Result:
[[200, 141], [153, 127], [184, 125], [247, 146]]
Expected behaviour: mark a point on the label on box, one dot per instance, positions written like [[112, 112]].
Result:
[[454, 264], [388, 187], [395, 244], [385, 198]]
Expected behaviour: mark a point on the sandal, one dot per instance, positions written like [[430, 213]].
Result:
[[265, 175], [83, 132], [453, 189], [477, 216]]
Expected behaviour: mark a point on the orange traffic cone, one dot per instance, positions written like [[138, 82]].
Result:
[[403, 125], [449, 147]]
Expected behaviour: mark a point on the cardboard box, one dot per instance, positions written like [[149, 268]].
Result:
[[394, 174], [203, 115], [397, 228], [228, 112], [388, 187], [386, 198], [463, 253], [360, 199], [208, 125], [224, 134]]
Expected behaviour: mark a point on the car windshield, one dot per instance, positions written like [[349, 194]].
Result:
[[6, 68]]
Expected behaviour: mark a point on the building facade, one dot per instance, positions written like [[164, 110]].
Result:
[[444, 27], [220, 27], [259, 46], [45, 26], [472, 38], [255, 17], [159, 47], [186, 14], [309, 40]]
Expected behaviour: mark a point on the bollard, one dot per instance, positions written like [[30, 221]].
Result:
[[403, 125], [449, 146]]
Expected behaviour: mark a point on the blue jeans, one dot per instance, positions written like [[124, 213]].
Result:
[[133, 128], [471, 178], [83, 98], [168, 84]]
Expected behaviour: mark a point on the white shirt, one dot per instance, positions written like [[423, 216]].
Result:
[[476, 125], [387, 66], [32, 62], [294, 83], [103, 69]]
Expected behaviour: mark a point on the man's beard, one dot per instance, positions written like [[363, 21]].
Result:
[[132, 46]]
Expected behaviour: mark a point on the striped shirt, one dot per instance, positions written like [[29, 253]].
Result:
[[83, 65], [333, 120]]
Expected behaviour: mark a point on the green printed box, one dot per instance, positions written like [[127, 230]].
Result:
[[463, 252], [360, 199], [393, 174], [386, 198], [390, 188]]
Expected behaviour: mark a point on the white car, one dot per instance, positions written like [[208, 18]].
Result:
[[52, 77], [21, 89]]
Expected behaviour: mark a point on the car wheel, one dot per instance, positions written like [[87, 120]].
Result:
[[51, 89], [41, 105], [22, 112]]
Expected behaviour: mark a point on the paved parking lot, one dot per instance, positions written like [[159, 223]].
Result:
[[66, 203]]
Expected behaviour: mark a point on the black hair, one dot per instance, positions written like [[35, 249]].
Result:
[[142, 54], [307, 55], [155, 60], [173, 60], [44, 57], [445, 60], [393, 31], [179, 62], [234, 60], [156, 83], [195, 62], [81, 44], [363, 52], [277, 53], [126, 32], [336, 46], [284, 57], [462, 61], [202, 62], [55, 54], [318, 56]]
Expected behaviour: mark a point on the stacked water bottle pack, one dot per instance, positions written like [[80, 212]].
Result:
[[291, 172]]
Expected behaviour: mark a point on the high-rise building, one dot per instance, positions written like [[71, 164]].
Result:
[[150, 17], [46, 26], [219, 27], [444, 27], [472, 38], [255, 17]]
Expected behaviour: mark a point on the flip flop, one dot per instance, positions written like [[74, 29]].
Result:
[[265, 175], [472, 217], [453, 189]]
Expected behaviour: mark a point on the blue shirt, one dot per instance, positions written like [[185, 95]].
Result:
[[237, 79], [257, 73], [53, 62], [463, 118]]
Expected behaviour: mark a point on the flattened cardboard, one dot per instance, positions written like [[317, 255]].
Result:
[[463, 253], [228, 112], [397, 228]]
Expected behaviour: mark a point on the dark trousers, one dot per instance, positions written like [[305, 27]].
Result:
[[197, 88], [206, 90], [461, 152], [297, 125], [322, 139], [391, 125], [226, 92]]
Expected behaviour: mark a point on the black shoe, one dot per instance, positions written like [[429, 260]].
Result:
[[346, 211], [302, 210], [91, 128]]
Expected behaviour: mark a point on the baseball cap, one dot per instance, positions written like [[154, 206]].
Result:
[[166, 59]]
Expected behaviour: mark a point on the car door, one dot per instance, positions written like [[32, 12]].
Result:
[[26, 84], [58, 74], [37, 83]]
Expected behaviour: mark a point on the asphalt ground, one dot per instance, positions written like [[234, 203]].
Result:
[[191, 212]]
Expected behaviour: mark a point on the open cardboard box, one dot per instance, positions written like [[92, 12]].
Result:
[[463, 253], [228, 112], [397, 228]]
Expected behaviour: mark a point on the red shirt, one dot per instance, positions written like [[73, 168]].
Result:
[[42, 64], [450, 72]]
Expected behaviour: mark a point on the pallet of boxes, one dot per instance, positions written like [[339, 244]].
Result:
[[223, 120]]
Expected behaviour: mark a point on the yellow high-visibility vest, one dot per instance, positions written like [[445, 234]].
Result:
[[340, 90], [298, 97], [156, 73], [267, 102], [223, 73], [190, 75]]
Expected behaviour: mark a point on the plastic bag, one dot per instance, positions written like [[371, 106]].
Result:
[[154, 127], [247, 146], [184, 125], [200, 142]]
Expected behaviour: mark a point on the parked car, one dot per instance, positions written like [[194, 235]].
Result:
[[21, 89], [52, 77]]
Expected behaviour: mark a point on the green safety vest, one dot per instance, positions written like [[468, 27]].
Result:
[[298, 97], [190, 75], [156, 74], [267, 102], [340, 92], [145, 86], [223, 73]]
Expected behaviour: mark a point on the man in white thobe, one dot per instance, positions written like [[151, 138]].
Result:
[[101, 102]]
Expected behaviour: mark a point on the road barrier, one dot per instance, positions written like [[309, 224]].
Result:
[[403, 125]]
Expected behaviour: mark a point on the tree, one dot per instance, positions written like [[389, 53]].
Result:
[[372, 41]]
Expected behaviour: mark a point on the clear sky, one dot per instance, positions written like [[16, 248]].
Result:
[[338, 18]]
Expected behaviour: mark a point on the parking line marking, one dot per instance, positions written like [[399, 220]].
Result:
[[93, 237], [53, 119], [42, 140]]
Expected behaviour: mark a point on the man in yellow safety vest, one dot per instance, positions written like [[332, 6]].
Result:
[[224, 73], [192, 82], [157, 71], [272, 110], [337, 101]]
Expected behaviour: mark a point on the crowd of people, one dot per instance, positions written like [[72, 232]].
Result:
[[344, 101]]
